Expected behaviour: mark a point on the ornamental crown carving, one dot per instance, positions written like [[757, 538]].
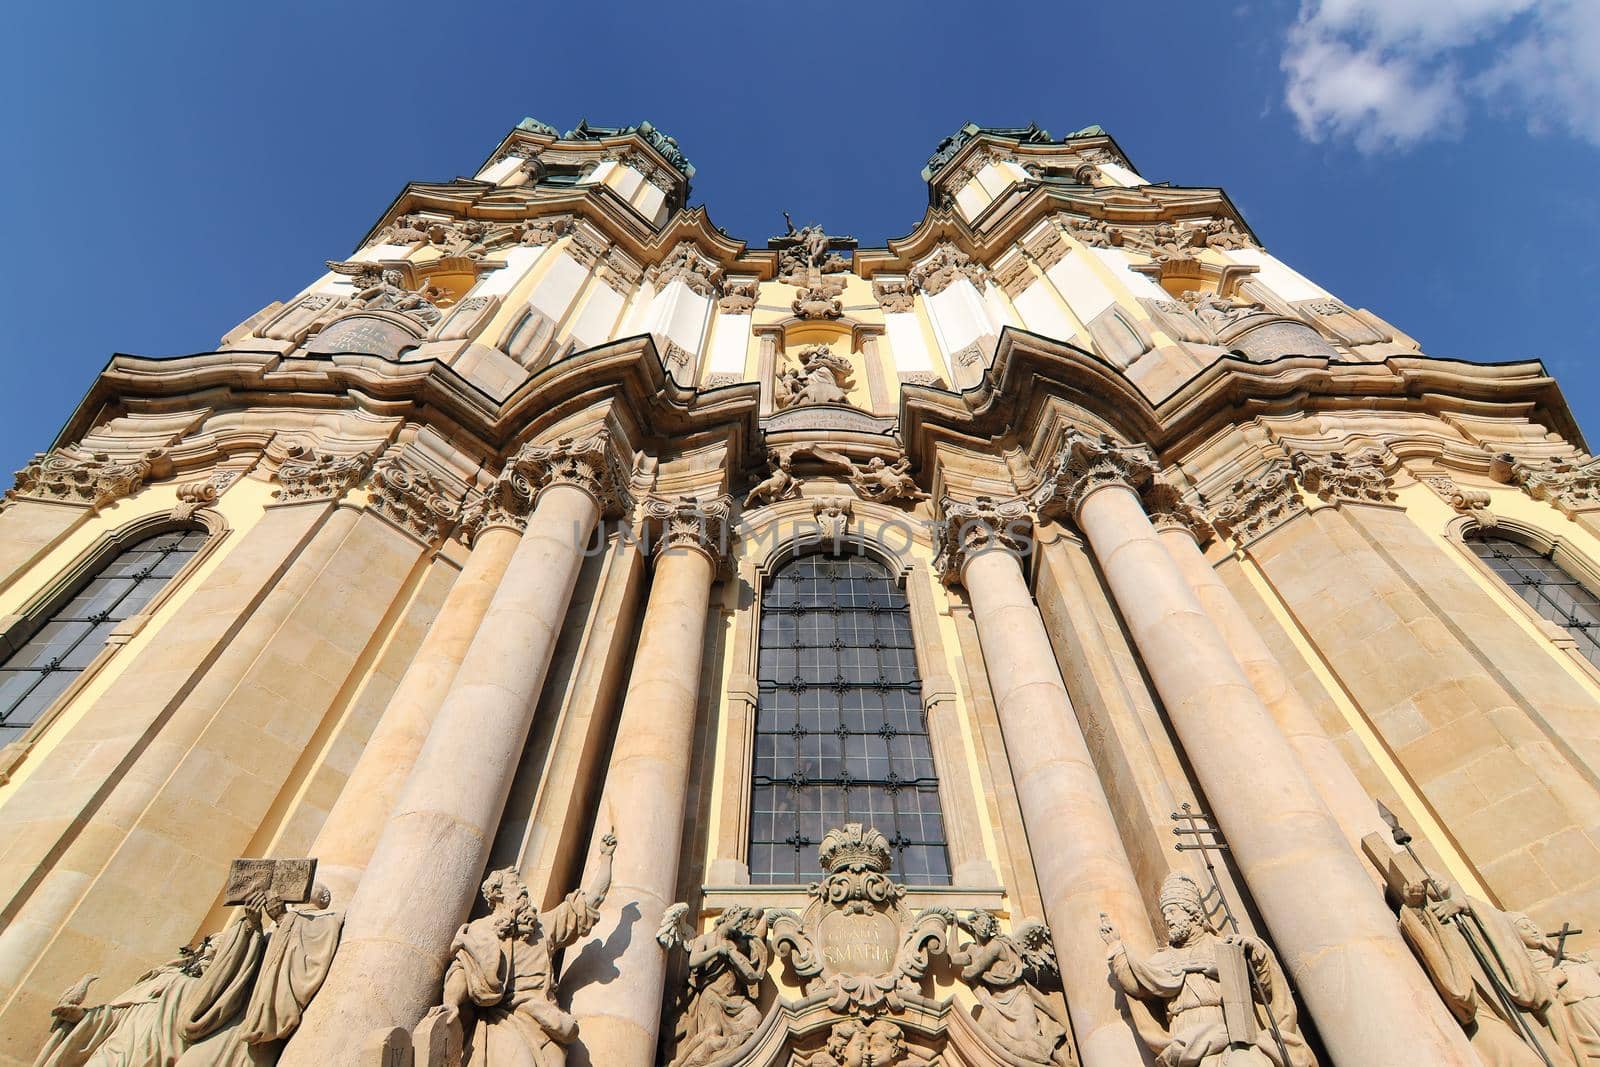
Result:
[[855, 849], [1362, 478], [1086, 462], [1257, 505], [408, 494], [688, 523], [686, 264], [973, 526], [942, 267], [71, 476], [308, 473]]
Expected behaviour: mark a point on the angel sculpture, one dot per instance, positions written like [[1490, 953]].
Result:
[[781, 484], [383, 289], [883, 482], [726, 965], [1003, 969]]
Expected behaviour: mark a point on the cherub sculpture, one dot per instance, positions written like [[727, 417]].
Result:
[[885, 482], [781, 484], [501, 983], [1004, 969], [726, 966]]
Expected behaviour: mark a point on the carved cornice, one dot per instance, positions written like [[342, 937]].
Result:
[[685, 522], [937, 271], [413, 498], [974, 526], [73, 476], [1570, 485], [308, 473], [1335, 476], [1257, 505], [1087, 462], [1169, 509]]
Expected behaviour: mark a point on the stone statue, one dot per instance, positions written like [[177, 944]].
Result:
[[1217, 311], [1002, 970], [866, 1042], [820, 379], [383, 289], [781, 484], [230, 1003], [1574, 1016], [1220, 995], [500, 986], [884, 482], [726, 966]]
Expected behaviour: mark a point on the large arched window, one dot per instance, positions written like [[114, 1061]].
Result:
[[64, 641], [1547, 586], [840, 731]]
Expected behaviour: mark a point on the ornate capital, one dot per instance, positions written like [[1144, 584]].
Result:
[[413, 498], [92, 479], [684, 522], [1361, 478], [977, 526], [1257, 505], [1169, 509], [686, 264], [590, 463], [943, 266], [1086, 462], [738, 296], [894, 295], [1571, 484], [311, 474]]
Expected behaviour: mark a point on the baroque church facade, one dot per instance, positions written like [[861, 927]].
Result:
[[564, 633]]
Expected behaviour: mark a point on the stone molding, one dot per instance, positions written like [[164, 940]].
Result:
[[1087, 462], [413, 498], [942, 267], [307, 473], [687, 522], [1570, 485], [978, 525], [1362, 478], [1257, 505], [1170, 509], [75, 476]]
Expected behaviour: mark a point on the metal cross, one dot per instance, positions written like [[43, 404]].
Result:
[[1561, 936]]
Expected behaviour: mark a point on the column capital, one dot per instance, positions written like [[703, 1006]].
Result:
[[978, 525], [310, 473], [1086, 462], [589, 463], [1570, 484], [685, 522], [79, 476], [1169, 509], [1255, 506], [1362, 478], [405, 492]]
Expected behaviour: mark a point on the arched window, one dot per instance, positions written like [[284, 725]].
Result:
[[840, 731], [1547, 587], [65, 640]]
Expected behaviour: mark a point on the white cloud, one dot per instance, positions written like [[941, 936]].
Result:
[[1384, 73]]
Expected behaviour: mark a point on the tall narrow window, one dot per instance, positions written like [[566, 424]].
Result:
[[70, 637], [840, 732], [1556, 595]]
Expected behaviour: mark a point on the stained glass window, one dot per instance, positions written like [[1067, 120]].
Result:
[[1556, 595], [840, 731], [70, 638]]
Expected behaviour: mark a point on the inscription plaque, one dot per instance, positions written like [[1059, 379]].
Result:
[[364, 334]]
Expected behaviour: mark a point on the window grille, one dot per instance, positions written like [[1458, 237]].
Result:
[[69, 639], [840, 731], [1556, 595]]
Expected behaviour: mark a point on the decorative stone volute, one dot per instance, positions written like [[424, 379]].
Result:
[[1084, 463], [308, 473], [591, 463], [1257, 505], [413, 498], [1169, 509], [855, 849], [71, 476], [1336, 476], [684, 522], [973, 526]]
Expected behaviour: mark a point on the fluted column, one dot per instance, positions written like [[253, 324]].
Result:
[[1370, 1001], [1082, 868], [1182, 529], [350, 832], [425, 869], [617, 993]]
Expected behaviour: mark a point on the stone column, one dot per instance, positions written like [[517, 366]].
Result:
[[1370, 1001], [425, 869], [616, 995], [1077, 853], [1183, 529], [345, 843]]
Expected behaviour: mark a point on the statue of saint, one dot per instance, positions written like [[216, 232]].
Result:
[[501, 984], [1220, 995], [1573, 1018], [1002, 969], [726, 965]]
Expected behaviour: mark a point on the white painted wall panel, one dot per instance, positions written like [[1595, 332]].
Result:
[[907, 348], [1121, 267], [500, 282], [958, 314], [599, 315], [1042, 313], [972, 199], [554, 293], [730, 341], [1278, 275], [1084, 292], [499, 172]]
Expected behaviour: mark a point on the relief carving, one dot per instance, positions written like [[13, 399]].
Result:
[[1217, 312], [1361, 478], [687, 523], [686, 264], [414, 499], [1474, 502], [1168, 508], [1569, 484], [75, 476], [726, 967], [977, 525], [885, 482], [943, 266], [1015, 277], [821, 378], [1094, 233], [192, 496], [1086, 462], [780, 484], [1220, 1000], [807, 259], [895, 295], [548, 230], [379, 288], [499, 1004], [1257, 505], [307, 473], [738, 296], [1006, 970], [866, 1042], [832, 514]]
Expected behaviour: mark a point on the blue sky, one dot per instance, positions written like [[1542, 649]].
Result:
[[172, 168]]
